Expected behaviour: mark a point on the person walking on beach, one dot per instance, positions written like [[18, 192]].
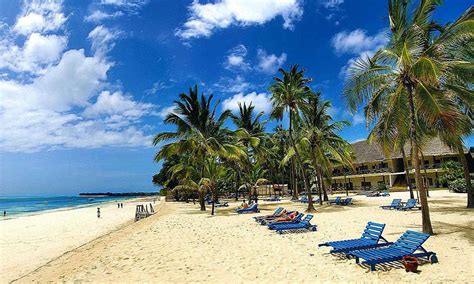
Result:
[[4, 213], [98, 212], [118, 205], [121, 205]]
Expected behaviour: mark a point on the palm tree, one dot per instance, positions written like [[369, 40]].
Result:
[[250, 135], [198, 133], [411, 73], [290, 93], [319, 142], [214, 171]]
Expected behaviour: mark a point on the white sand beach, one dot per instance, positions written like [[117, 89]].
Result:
[[27, 242], [181, 244]]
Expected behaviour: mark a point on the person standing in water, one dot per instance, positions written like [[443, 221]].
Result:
[[98, 212]]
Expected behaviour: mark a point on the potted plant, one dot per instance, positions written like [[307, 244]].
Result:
[[410, 263]]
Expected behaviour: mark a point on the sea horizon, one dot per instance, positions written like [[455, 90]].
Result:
[[16, 206]]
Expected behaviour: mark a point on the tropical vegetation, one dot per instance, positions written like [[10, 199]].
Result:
[[418, 86], [414, 87]]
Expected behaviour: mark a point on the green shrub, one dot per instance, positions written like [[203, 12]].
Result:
[[381, 187], [458, 185]]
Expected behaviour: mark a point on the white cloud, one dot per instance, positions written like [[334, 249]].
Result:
[[40, 16], [332, 4], [117, 104], [357, 41], [103, 39], [232, 85], [130, 4], [55, 102], [44, 49], [165, 111], [29, 45], [38, 52], [358, 118], [206, 18], [262, 101], [98, 16], [158, 86], [269, 63], [235, 59]]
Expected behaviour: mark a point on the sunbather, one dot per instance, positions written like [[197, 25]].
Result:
[[282, 213], [285, 218], [243, 205]]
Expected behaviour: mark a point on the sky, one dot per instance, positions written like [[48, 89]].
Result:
[[84, 85]]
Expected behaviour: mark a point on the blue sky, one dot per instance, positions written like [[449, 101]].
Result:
[[84, 85]]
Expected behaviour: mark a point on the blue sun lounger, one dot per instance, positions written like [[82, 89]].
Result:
[[396, 203], [302, 225], [297, 219], [335, 201], [370, 239], [347, 201], [277, 211], [407, 245], [265, 221], [251, 209], [409, 205], [218, 204]]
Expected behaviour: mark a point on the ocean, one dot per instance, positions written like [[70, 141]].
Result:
[[15, 206]]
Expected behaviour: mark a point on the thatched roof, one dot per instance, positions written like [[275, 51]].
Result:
[[365, 152]]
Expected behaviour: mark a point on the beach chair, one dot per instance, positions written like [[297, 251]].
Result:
[[273, 199], [394, 205], [407, 245], [409, 205], [335, 201], [252, 209], [266, 220], [277, 211], [297, 219], [304, 199], [347, 201], [385, 193], [370, 239], [302, 225], [218, 204]]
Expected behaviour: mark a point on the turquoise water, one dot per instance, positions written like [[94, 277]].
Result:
[[25, 205]]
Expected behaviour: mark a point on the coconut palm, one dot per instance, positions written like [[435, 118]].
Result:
[[199, 134], [411, 74], [289, 94], [319, 142]]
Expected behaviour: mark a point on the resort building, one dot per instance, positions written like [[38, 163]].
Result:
[[372, 167]]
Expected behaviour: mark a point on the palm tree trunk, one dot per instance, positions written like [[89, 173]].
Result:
[[320, 192], [292, 169], [426, 175], [214, 199], [323, 186], [201, 201], [407, 172], [201, 193], [325, 194], [467, 176], [425, 211], [237, 186], [303, 173]]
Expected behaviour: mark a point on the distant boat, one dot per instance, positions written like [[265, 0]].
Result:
[[91, 199]]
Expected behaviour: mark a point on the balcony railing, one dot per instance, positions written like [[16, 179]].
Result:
[[428, 167], [361, 172]]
